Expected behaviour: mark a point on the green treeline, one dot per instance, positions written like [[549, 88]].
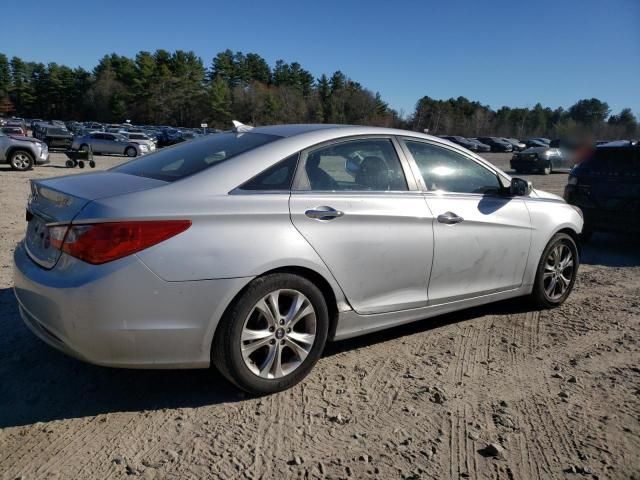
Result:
[[176, 88]]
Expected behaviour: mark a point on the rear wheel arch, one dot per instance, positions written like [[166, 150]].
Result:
[[314, 277]]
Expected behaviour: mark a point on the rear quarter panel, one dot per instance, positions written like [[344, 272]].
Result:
[[231, 236]]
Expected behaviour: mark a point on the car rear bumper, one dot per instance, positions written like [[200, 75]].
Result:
[[121, 314]]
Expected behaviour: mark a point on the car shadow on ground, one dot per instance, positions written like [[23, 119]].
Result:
[[39, 384], [611, 251]]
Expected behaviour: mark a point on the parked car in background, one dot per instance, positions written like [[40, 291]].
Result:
[[162, 250], [517, 145], [463, 142], [479, 146], [56, 137], [543, 160], [497, 144], [109, 143], [21, 152], [606, 187], [140, 138], [12, 130]]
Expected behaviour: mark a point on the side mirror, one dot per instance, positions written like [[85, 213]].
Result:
[[520, 187]]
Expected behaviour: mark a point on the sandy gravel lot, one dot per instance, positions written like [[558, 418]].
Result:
[[558, 392]]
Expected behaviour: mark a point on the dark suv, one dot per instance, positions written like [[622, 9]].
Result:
[[606, 187]]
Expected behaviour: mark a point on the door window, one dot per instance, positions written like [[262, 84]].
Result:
[[356, 165], [448, 171]]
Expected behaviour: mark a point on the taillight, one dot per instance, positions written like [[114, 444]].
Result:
[[104, 242]]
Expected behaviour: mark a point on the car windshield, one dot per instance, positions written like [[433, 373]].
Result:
[[57, 131], [187, 159]]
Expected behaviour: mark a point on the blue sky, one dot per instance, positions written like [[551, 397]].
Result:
[[500, 52]]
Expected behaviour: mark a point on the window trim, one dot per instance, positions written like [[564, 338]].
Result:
[[300, 181], [240, 191], [418, 174]]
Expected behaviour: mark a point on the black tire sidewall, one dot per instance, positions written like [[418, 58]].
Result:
[[539, 295], [17, 152], [129, 149], [226, 354]]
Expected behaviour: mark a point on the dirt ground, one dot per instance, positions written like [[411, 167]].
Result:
[[494, 392]]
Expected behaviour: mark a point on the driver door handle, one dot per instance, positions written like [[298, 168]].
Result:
[[449, 218], [324, 213]]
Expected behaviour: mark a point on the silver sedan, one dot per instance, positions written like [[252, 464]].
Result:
[[251, 249], [111, 143]]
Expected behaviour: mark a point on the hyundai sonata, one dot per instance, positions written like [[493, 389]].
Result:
[[251, 249]]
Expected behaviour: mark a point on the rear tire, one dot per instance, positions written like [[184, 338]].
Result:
[[244, 326], [557, 271], [21, 161]]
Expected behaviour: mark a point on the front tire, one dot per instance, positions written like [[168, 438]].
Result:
[[21, 161], [557, 271], [130, 152], [272, 335]]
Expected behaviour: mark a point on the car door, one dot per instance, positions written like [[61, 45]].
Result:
[[481, 236], [111, 145], [355, 204], [96, 141]]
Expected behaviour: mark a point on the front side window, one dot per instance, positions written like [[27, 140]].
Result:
[[355, 165], [445, 170]]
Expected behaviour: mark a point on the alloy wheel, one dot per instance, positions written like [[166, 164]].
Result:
[[558, 271], [21, 161], [278, 333]]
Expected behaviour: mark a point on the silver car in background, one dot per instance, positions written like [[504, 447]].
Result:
[[250, 249], [109, 143], [21, 152], [141, 139]]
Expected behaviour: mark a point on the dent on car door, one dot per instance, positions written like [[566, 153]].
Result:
[[481, 237], [352, 203]]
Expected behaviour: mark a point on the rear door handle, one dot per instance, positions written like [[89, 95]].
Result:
[[450, 218], [324, 213]]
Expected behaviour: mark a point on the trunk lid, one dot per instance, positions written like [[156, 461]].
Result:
[[59, 200]]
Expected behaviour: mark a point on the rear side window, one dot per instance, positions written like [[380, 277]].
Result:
[[186, 159], [275, 178]]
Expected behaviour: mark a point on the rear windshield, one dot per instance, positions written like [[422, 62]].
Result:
[[615, 160], [185, 159]]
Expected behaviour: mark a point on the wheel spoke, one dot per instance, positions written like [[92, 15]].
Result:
[[267, 364], [300, 351], [252, 347], [551, 287], [305, 312], [305, 338], [296, 304], [266, 312], [249, 335], [272, 300]]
